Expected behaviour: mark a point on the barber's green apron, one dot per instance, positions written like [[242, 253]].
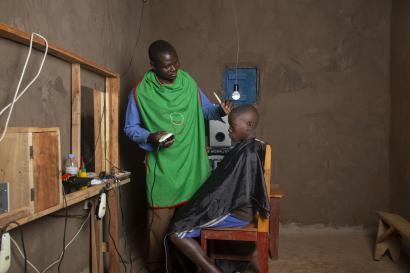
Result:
[[179, 170]]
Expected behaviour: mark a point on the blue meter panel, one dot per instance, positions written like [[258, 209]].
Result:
[[246, 78]]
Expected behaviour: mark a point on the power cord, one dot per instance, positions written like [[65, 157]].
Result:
[[137, 40], [56, 261], [112, 239], [65, 229], [123, 231], [17, 96], [235, 16], [153, 185], [155, 175]]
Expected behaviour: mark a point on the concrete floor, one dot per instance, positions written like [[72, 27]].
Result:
[[325, 250]]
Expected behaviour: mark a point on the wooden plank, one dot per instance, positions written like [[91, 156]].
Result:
[[263, 223], [107, 126], [22, 37], [267, 167], [30, 174], [275, 191], [60, 184], [113, 230], [14, 168], [76, 111], [113, 89], [231, 257], [98, 130], [227, 234], [31, 129], [46, 169], [14, 215], [262, 250]]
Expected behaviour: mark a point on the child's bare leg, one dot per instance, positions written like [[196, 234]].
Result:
[[190, 248]]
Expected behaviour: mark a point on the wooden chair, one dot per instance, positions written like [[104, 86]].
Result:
[[264, 232]]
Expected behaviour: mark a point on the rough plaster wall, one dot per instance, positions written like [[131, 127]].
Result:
[[324, 74], [103, 31], [400, 84]]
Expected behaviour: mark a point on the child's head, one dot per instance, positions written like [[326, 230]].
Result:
[[242, 122]]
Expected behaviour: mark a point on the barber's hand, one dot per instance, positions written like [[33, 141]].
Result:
[[168, 143], [155, 137], [227, 106]]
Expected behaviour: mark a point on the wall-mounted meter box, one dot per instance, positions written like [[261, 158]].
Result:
[[248, 80]]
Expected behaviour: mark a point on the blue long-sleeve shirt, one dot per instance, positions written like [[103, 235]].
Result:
[[136, 132]]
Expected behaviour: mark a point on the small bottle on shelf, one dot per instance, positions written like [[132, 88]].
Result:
[[71, 166]]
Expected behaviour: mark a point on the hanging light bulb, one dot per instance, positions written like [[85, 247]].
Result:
[[235, 94]]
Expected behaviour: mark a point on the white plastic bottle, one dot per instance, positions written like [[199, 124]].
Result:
[[71, 166]]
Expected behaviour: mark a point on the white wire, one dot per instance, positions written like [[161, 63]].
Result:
[[22, 255], [237, 40], [58, 260], [17, 96]]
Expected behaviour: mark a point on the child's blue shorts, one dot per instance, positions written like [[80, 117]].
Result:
[[227, 220]]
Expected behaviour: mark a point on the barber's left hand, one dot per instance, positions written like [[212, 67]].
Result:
[[227, 106]]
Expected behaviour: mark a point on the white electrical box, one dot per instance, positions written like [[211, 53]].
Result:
[[218, 133], [4, 197]]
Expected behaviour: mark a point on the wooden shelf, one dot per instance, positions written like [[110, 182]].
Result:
[[77, 197]]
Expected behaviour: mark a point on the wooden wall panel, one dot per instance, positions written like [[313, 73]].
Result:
[[76, 111], [46, 170], [99, 131], [112, 94], [113, 89], [14, 168]]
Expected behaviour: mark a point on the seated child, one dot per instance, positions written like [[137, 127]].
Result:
[[229, 197]]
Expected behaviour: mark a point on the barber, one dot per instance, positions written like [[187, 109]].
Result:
[[168, 100]]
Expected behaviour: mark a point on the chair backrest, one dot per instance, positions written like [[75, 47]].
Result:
[[267, 167], [263, 223]]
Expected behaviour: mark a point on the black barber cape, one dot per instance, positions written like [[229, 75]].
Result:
[[238, 180]]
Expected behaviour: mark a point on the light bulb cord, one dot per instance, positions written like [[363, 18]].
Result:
[[235, 16]]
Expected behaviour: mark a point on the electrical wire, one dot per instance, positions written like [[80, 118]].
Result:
[[69, 243], [112, 165], [235, 16], [56, 261], [152, 187], [123, 230], [112, 238], [23, 255], [17, 96], [137, 40], [65, 230]]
